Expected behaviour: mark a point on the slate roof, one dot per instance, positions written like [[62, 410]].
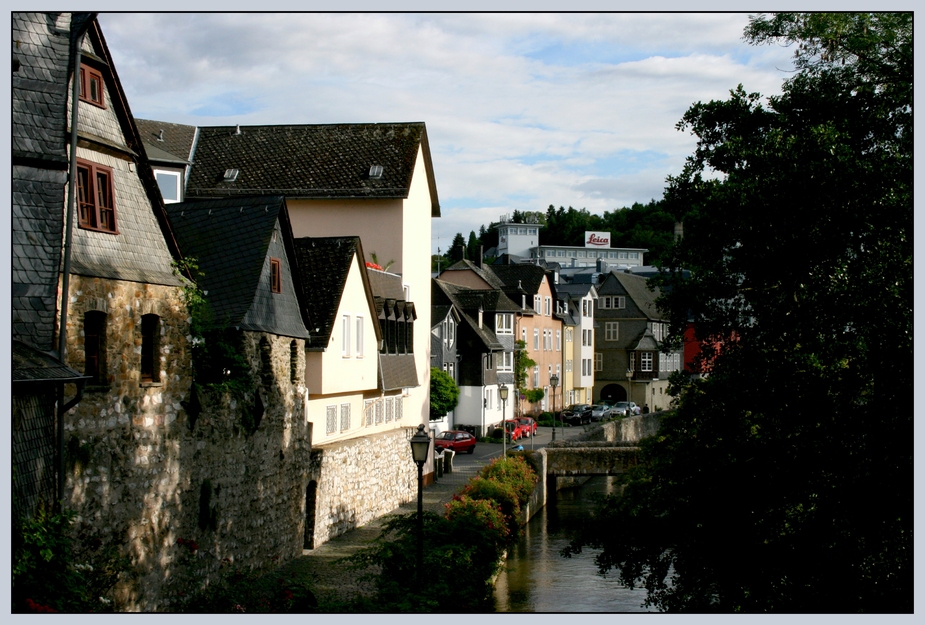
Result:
[[323, 264], [310, 161], [32, 365], [485, 274], [395, 370], [231, 240], [637, 288], [40, 87], [528, 275], [177, 144], [467, 305]]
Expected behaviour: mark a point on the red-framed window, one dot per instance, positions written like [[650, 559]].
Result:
[[91, 86], [276, 276], [95, 197]]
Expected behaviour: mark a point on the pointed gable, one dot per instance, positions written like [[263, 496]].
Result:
[[234, 243]]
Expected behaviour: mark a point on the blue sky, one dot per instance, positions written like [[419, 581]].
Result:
[[523, 110]]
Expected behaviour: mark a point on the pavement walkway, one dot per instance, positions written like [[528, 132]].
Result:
[[322, 567]]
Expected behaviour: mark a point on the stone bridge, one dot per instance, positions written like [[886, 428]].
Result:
[[588, 458], [607, 449]]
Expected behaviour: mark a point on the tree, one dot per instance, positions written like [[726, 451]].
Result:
[[783, 482], [444, 394], [522, 365]]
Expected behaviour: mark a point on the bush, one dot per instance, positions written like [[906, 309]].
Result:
[[514, 472], [252, 592], [51, 575], [497, 493]]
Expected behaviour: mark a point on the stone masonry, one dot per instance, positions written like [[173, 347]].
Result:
[[187, 488], [361, 479]]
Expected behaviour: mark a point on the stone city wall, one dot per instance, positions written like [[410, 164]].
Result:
[[186, 488], [361, 479]]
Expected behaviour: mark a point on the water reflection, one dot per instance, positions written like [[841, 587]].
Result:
[[537, 579]]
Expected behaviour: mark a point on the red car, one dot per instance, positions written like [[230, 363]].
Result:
[[457, 440], [528, 425], [515, 429]]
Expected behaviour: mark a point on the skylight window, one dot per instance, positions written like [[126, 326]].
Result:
[[231, 175], [375, 172]]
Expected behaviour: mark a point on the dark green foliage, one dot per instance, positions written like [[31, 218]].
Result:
[[533, 395], [241, 592], [51, 574], [784, 480], [444, 394], [462, 550]]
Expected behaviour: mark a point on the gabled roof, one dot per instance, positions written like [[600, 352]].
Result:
[[486, 275], [530, 277], [323, 265], [467, 303], [637, 288], [166, 142], [324, 161], [230, 240]]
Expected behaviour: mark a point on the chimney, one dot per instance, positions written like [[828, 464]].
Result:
[[481, 255], [459, 253]]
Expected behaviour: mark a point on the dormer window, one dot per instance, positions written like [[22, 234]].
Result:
[[91, 86]]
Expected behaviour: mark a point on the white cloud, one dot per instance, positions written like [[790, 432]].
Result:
[[523, 110]]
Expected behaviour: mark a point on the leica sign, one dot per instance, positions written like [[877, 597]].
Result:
[[597, 239]]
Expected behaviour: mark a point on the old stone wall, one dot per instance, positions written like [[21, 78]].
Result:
[[361, 479], [187, 488]]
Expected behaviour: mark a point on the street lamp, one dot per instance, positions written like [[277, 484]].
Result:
[[629, 400], [553, 382], [420, 448], [502, 393]]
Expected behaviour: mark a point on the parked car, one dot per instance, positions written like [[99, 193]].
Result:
[[515, 430], [625, 408], [528, 424], [576, 414], [457, 440], [599, 412]]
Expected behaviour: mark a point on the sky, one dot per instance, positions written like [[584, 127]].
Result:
[[522, 110]]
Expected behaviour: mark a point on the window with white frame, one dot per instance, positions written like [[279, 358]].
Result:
[[359, 333], [612, 331], [619, 302], [536, 339], [169, 184], [537, 304], [344, 417], [603, 301], [345, 339], [330, 426], [507, 361], [548, 310], [558, 340], [488, 395], [569, 336], [645, 360], [598, 361], [536, 376], [568, 366], [504, 324], [451, 334], [489, 361], [523, 336]]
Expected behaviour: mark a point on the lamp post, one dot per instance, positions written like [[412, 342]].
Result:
[[502, 393], [420, 448], [629, 400], [553, 382]]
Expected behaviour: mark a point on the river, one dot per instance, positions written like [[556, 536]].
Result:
[[537, 579]]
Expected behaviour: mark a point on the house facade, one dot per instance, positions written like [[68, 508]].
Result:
[[628, 350], [380, 188], [445, 320], [578, 301]]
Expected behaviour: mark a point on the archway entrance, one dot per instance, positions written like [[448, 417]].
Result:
[[310, 492], [613, 392]]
